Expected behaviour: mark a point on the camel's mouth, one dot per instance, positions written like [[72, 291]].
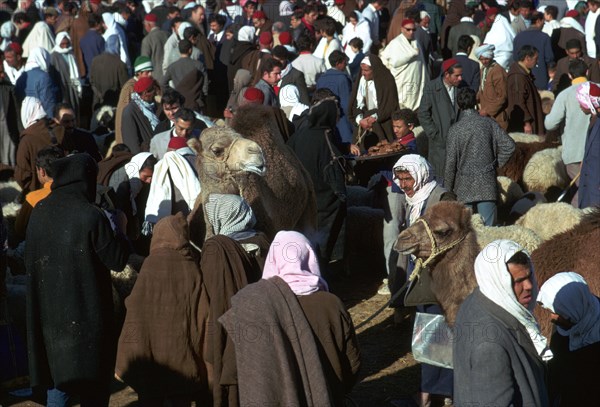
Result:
[[406, 250], [257, 168]]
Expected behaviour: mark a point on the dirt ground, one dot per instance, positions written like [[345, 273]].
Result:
[[388, 373]]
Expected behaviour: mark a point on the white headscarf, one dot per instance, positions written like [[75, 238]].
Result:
[[289, 96], [246, 34], [420, 170], [6, 32], [495, 282], [132, 169], [38, 58], [570, 22], [181, 29], [67, 54], [568, 295]]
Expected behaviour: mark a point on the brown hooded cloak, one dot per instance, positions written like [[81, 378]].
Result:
[[524, 102]]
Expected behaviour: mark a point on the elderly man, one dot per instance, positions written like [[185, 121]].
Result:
[[139, 117], [499, 350], [373, 100], [588, 95], [13, 63], [524, 102], [439, 110], [404, 58], [566, 109], [576, 342], [492, 95]]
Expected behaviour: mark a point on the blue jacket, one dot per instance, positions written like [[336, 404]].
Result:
[[542, 42], [92, 45], [589, 181], [341, 85], [39, 84]]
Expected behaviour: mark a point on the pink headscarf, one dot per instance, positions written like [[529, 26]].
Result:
[[588, 96], [293, 260]]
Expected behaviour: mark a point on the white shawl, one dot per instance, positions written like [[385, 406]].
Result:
[[501, 34], [420, 170], [570, 22], [41, 36], [67, 54]]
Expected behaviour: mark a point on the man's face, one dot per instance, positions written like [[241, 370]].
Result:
[[198, 15], [170, 110], [547, 17], [401, 128], [144, 74], [146, 175], [65, 43], [311, 17], [407, 183], [148, 94], [183, 128], [454, 78], [258, 22], [12, 59], [485, 61], [522, 284], [273, 77], [524, 12], [295, 22], [531, 62], [171, 16], [282, 61], [67, 119], [250, 9], [425, 22], [592, 7], [366, 71], [409, 31], [51, 20], [353, 19], [215, 27], [574, 53]]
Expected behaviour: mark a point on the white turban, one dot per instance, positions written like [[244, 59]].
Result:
[[246, 34], [485, 50]]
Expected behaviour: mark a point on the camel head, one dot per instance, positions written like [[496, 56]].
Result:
[[224, 156], [448, 222]]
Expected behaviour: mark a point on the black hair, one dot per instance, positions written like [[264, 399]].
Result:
[[356, 43], [552, 11], [408, 116], [280, 52], [337, 57], [520, 258], [61, 106], [304, 43], [466, 98], [464, 43], [190, 32], [268, 65], [217, 18], [149, 163], [326, 24], [21, 17], [322, 94], [46, 156], [171, 96], [309, 8], [185, 114], [526, 51], [453, 67], [577, 68], [120, 147], [536, 16], [173, 10], [185, 46], [573, 43]]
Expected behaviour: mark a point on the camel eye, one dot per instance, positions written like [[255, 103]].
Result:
[[443, 232], [217, 151]]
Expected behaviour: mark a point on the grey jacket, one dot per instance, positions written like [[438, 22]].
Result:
[[270, 96], [475, 148], [495, 362]]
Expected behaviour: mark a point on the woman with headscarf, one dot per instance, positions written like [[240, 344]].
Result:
[[588, 95], [37, 89], [161, 344], [414, 189], [356, 27], [7, 31], [241, 82], [63, 61], [573, 371], [114, 23], [245, 54], [231, 216], [314, 146], [289, 99], [311, 357]]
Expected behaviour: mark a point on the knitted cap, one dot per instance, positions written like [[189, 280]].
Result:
[[142, 64]]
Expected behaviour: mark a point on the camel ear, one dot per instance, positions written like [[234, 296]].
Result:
[[195, 145], [466, 215]]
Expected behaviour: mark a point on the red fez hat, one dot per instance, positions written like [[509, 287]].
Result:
[[259, 14], [340, 2], [177, 142], [151, 18], [285, 38], [254, 95], [492, 11], [572, 13], [265, 38], [448, 63], [407, 21], [143, 84], [15, 46]]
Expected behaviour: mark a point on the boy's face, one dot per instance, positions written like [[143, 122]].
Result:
[[401, 129], [354, 49], [547, 17]]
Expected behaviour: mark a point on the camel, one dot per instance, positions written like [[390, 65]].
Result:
[[453, 276], [515, 167], [259, 167], [452, 272]]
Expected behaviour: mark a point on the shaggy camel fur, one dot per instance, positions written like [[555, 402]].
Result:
[[284, 198], [452, 273], [549, 219], [515, 167]]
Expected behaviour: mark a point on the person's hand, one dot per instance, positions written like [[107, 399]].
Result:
[[527, 128], [482, 112], [354, 150], [365, 123]]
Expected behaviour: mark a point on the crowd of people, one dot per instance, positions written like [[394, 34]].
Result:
[[103, 105]]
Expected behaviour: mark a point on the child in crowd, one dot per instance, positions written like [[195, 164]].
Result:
[[403, 122]]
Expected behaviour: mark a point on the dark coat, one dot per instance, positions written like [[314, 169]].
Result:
[[524, 102], [561, 79], [312, 149], [63, 80], [341, 85], [460, 29], [91, 45], [80, 141], [542, 42], [107, 77], [503, 371], [70, 321], [589, 183], [477, 147], [136, 128], [471, 75], [387, 102], [436, 115], [559, 40]]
